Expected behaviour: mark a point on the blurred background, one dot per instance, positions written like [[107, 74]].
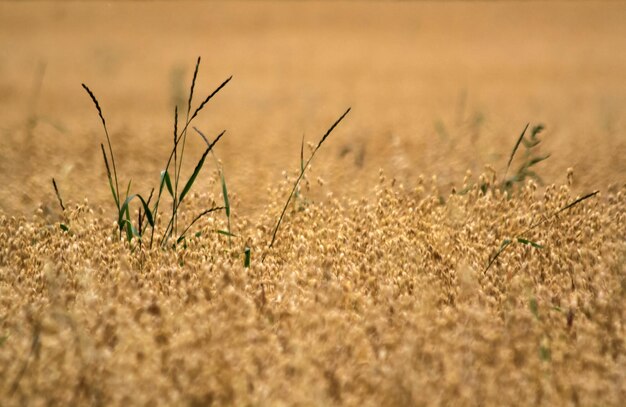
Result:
[[436, 89]]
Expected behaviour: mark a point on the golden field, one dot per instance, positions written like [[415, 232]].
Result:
[[379, 288]]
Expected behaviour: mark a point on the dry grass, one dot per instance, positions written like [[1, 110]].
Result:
[[377, 302], [382, 286]]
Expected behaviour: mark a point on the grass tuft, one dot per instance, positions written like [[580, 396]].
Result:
[[124, 220], [530, 159]]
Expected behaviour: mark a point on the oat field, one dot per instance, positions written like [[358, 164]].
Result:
[[458, 238]]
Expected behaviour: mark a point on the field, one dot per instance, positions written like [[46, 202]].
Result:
[[433, 253]]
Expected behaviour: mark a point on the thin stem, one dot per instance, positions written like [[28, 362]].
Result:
[[295, 186], [106, 132], [197, 218], [168, 229]]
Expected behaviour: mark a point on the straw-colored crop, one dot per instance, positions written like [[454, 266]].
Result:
[[383, 300], [503, 293]]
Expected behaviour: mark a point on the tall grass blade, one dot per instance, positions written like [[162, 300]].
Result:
[[113, 191], [193, 84], [197, 218], [188, 185], [175, 137], [579, 200], [223, 181], [146, 213], [144, 204], [502, 248], [537, 160], [297, 194], [225, 195], [127, 221], [529, 243], [166, 181], [180, 137], [226, 206], [56, 191], [206, 100], [519, 140], [106, 132], [176, 167], [295, 185], [208, 143], [95, 102], [196, 170]]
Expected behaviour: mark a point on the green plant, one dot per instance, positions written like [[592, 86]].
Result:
[[531, 158], [522, 240], [226, 206], [151, 214]]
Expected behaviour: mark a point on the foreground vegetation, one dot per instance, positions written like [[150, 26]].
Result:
[[385, 300], [498, 292]]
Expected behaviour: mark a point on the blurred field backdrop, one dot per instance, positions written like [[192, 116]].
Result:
[[377, 292]]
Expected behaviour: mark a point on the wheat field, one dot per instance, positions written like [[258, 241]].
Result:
[[432, 252]]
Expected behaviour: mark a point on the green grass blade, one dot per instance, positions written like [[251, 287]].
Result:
[[196, 170], [223, 180], [166, 181], [529, 243], [128, 223], [206, 100], [225, 195], [537, 160], [193, 177], [502, 248], [146, 210], [579, 200], [246, 261], [519, 140], [197, 218], [225, 233], [113, 190], [125, 211]]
